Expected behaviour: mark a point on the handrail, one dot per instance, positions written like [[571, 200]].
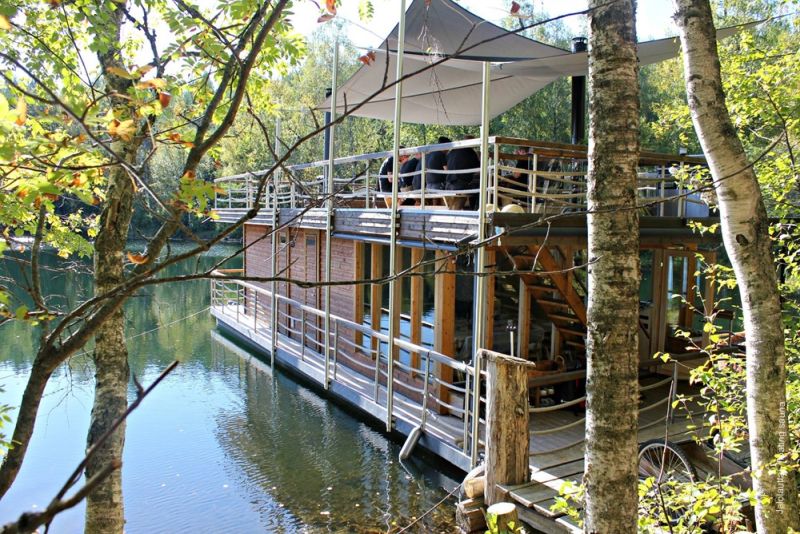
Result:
[[236, 191]]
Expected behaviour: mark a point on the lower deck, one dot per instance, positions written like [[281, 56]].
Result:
[[434, 399]]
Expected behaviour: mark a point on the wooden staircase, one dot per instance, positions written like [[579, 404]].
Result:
[[546, 275]]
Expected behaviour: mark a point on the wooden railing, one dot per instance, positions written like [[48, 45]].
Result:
[[356, 365]]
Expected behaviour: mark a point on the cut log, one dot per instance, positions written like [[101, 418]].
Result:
[[504, 516], [473, 487], [469, 516]]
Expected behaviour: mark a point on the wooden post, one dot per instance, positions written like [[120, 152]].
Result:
[[523, 320], [709, 293], [491, 260], [417, 255], [658, 326], [396, 312], [358, 291], [376, 292], [507, 437], [691, 288], [445, 320]]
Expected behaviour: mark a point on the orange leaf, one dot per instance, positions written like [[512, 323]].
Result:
[[164, 99], [514, 8], [175, 137], [120, 72], [22, 111], [144, 69], [124, 129], [154, 83], [51, 197], [189, 175], [325, 17], [78, 180], [330, 5], [137, 259]]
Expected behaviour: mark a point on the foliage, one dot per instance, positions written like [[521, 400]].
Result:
[[5, 418], [59, 133]]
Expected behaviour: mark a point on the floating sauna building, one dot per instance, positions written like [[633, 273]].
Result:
[[391, 309]]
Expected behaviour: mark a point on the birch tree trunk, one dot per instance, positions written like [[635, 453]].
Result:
[[745, 234], [105, 513], [612, 314]]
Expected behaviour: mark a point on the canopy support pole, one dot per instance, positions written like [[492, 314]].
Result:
[[274, 250], [479, 326], [329, 203], [398, 99], [578, 97]]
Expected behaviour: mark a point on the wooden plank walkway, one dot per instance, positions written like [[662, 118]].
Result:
[[550, 471]]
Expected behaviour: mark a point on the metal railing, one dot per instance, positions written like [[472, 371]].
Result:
[[552, 179], [421, 395]]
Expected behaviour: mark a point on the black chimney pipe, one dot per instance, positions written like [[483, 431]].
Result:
[[326, 149], [578, 97]]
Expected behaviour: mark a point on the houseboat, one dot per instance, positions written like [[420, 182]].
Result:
[[388, 300]]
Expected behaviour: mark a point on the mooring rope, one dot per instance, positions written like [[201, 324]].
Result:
[[434, 507]]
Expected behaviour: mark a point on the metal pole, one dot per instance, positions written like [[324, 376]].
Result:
[[335, 346], [274, 258], [578, 96], [423, 180], [424, 417], [398, 97], [329, 225], [479, 326]]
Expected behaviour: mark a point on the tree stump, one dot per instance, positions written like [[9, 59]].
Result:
[[504, 517]]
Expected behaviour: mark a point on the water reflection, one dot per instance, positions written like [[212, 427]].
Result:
[[220, 446]]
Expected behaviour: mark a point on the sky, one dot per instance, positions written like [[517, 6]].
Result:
[[653, 17]]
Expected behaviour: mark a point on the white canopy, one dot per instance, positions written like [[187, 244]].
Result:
[[449, 93], [552, 68]]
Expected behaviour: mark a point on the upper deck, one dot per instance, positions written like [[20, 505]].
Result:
[[547, 183]]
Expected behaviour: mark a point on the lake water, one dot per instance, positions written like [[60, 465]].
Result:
[[221, 445]]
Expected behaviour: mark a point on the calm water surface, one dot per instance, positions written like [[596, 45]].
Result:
[[221, 445]]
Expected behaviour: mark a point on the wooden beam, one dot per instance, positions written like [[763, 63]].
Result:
[[416, 304], [376, 292], [507, 432], [445, 319], [560, 281]]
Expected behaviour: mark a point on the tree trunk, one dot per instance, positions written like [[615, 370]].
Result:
[[745, 234], [104, 506], [612, 314]]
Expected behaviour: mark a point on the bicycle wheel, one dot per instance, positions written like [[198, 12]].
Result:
[[664, 461]]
